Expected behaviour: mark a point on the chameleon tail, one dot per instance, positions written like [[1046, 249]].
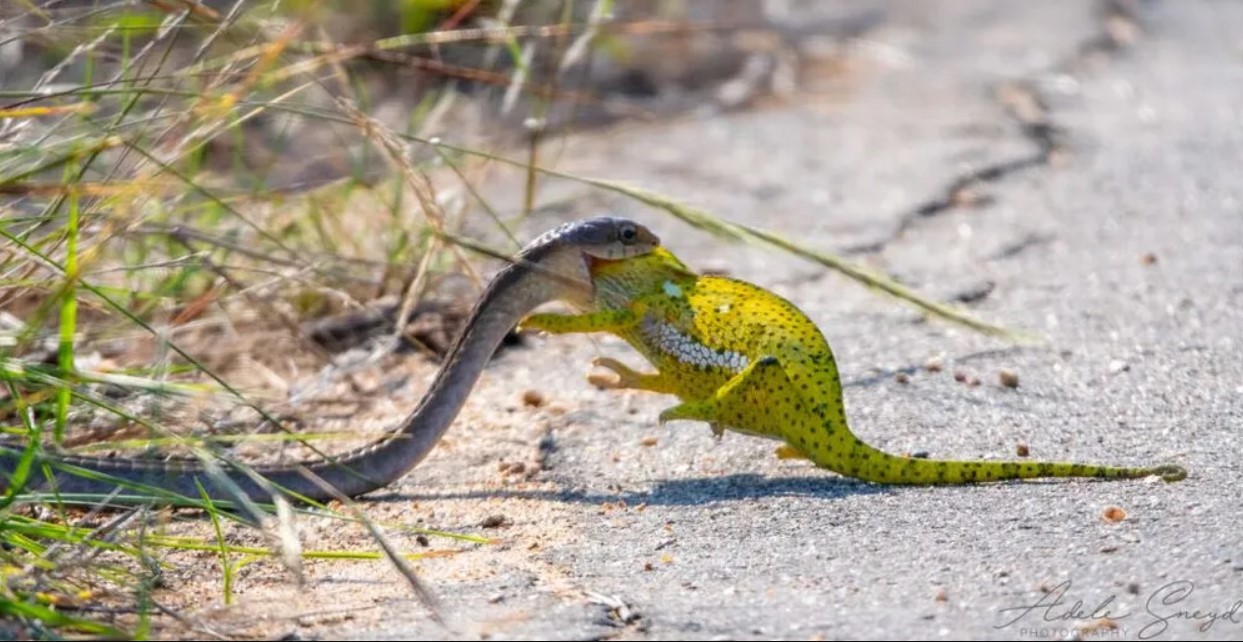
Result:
[[870, 464]]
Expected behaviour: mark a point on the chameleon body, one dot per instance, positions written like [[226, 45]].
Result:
[[554, 266], [744, 359]]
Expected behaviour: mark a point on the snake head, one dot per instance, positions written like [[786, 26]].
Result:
[[604, 238], [575, 250]]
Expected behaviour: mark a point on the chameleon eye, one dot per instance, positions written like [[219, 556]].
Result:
[[628, 234]]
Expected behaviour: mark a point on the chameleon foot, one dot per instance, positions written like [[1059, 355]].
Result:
[[624, 378], [692, 411], [787, 451], [689, 411]]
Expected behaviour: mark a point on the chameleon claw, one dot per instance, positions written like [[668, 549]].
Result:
[[622, 376], [625, 378]]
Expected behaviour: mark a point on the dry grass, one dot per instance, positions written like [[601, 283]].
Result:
[[181, 191]]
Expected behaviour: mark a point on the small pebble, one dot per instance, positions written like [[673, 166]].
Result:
[[494, 521], [422, 540], [920, 454], [533, 398], [902, 378], [649, 441], [974, 292], [933, 365], [960, 376], [1113, 514], [1008, 378], [942, 595], [967, 195], [1117, 365], [1148, 259], [1104, 624], [1022, 450]]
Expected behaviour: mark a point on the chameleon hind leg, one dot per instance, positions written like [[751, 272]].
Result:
[[747, 402]]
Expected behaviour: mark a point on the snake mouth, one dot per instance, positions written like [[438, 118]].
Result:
[[595, 263]]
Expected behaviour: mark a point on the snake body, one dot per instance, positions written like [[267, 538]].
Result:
[[554, 266]]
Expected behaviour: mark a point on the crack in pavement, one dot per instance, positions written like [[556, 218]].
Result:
[[1120, 28]]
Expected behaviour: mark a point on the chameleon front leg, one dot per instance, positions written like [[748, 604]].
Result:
[[614, 321], [601, 321]]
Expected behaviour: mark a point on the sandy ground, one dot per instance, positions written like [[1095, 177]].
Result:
[[1125, 250]]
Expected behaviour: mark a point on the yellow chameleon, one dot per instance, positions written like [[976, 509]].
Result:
[[744, 359]]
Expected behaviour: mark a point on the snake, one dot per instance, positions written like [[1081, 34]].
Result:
[[555, 266]]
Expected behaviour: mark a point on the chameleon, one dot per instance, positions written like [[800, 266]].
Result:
[[744, 359], [554, 266]]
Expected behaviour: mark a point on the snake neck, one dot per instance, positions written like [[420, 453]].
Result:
[[512, 295]]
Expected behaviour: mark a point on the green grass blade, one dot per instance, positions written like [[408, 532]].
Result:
[[68, 314]]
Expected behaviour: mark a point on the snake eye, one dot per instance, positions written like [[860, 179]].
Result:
[[628, 234]]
